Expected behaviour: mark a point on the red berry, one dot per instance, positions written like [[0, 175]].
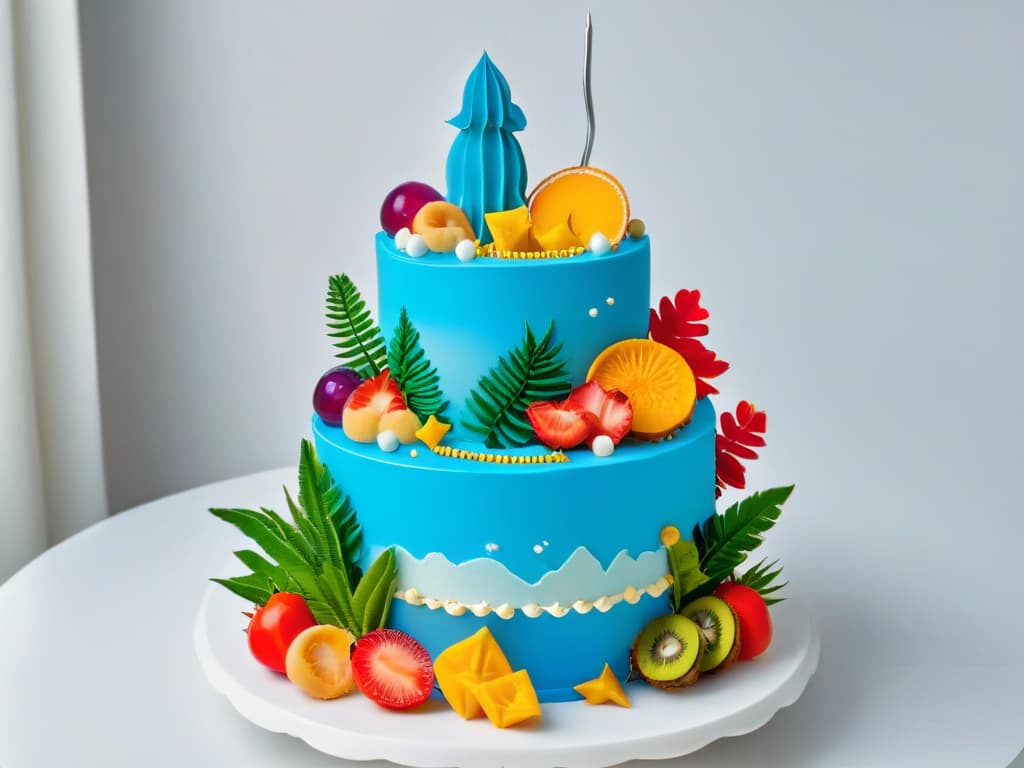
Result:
[[332, 391], [392, 669], [403, 203], [558, 425], [751, 614], [274, 626], [608, 411], [379, 393]]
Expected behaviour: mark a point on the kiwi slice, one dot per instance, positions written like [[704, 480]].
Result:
[[667, 652], [718, 625]]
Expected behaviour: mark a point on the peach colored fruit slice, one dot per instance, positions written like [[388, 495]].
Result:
[[656, 379], [589, 199], [318, 661], [403, 423], [442, 225]]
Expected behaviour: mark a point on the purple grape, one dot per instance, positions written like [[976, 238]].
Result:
[[403, 203], [332, 391]]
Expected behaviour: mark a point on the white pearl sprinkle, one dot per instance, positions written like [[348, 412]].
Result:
[[416, 246], [537, 549], [599, 244], [492, 547], [592, 312], [603, 446], [610, 301], [465, 250], [388, 441], [402, 238]]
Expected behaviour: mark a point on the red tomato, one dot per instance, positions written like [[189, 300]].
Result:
[[274, 626], [752, 616]]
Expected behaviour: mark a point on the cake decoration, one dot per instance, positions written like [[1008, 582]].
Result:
[[739, 435], [602, 446], [532, 371], [658, 383], [499, 458], [558, 425], [667, 652], [636, 228], [416, 247], [318, 662], [684, 565], [433, 431], [752, 616], [402, 203], [763, 580], [587, 199], [461, 667], [412, 372], [676, 326], [465, 250], [442, 225], [486, 170], [608, 411], [604, 689], [403, 422], [388, 441], [392, 669], [273, 627], [718, 624], [367, 406], [332, 391], [359, 340], [508, 700], [402, 238]]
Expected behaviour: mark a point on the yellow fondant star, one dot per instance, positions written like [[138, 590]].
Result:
[[605, 688], [510, 229], [433, 431]]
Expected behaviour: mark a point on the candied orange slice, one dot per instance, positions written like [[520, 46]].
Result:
[[656, 379], [589, 199], [461, 667], [509, 699]]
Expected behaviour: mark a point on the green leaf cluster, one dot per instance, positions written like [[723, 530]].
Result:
[[412, 371], [497, 406], [315, 555], [358, 338], [762, 578], [684, 565]]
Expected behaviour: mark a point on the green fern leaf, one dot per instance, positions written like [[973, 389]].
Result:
[[724, 540], [412, 371], [358, 339], [530, 372]]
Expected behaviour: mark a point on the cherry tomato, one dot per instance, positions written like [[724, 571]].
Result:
[[752, 616], [274, 626]]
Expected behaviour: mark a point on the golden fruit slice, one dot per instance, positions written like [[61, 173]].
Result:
[[511, 229], [461, 667], [589, 199], [508, 700], [318, 661], [603, 689], [656, 379], [403, 423], [443, 225]]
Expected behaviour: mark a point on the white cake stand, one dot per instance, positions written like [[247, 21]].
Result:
[[659, 725]]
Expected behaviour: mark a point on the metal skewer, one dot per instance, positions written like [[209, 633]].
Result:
[[588, 96]]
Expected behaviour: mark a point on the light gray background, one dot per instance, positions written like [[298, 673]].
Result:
[[844, 183]]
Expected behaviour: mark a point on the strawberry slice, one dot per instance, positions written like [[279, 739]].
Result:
[[392, 669], [380, 394], [558, 425], [607, 411]]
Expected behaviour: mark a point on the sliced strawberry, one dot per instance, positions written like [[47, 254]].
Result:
[[558, 425], [392, 669], [381, 394], [609, 412]]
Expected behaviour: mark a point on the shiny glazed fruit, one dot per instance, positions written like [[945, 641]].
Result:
[[752, 616], [332, 391], [392, 669], [403, 203], [274, 626], [318, 662]]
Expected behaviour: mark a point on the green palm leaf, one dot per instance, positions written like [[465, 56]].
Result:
[[358, 339], [530, 372], [724, 540], [412, 371], [762, 578]]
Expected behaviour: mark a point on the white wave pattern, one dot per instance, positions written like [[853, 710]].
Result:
[[484, 585]]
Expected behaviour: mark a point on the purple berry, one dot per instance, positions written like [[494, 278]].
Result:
[[403, 203], [332, 391]]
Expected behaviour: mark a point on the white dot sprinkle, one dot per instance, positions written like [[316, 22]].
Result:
[[546, 543], [599, 244], [388, 441], [593, 312], [610, 301], [537, 549], [413, 453], [492, 547], [465, 250], [603, 446], [416, 246], [402, 238]]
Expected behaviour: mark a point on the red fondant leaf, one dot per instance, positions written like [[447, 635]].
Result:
[[739, 434], [674, 325]]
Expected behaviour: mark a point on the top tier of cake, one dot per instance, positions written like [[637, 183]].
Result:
[[470, 314]]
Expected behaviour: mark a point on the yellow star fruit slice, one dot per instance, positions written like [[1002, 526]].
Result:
[[511, 229], [461, 668], [656, 379], [433, 431], [603, 689], [508, 700], [593, 199]]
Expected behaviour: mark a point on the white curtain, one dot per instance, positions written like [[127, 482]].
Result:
[[51, 453]]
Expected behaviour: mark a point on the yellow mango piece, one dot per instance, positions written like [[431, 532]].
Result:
[[461, 667], [433, 431], [508, 700], [558, 237], [603, 689], [510, 229], [403, 423]]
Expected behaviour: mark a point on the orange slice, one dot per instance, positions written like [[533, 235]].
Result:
[[656, 379], [590, 199]]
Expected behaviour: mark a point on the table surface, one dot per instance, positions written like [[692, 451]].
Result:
[[97, 668]]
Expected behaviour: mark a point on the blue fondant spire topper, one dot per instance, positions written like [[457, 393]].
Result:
[[486, 171]]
